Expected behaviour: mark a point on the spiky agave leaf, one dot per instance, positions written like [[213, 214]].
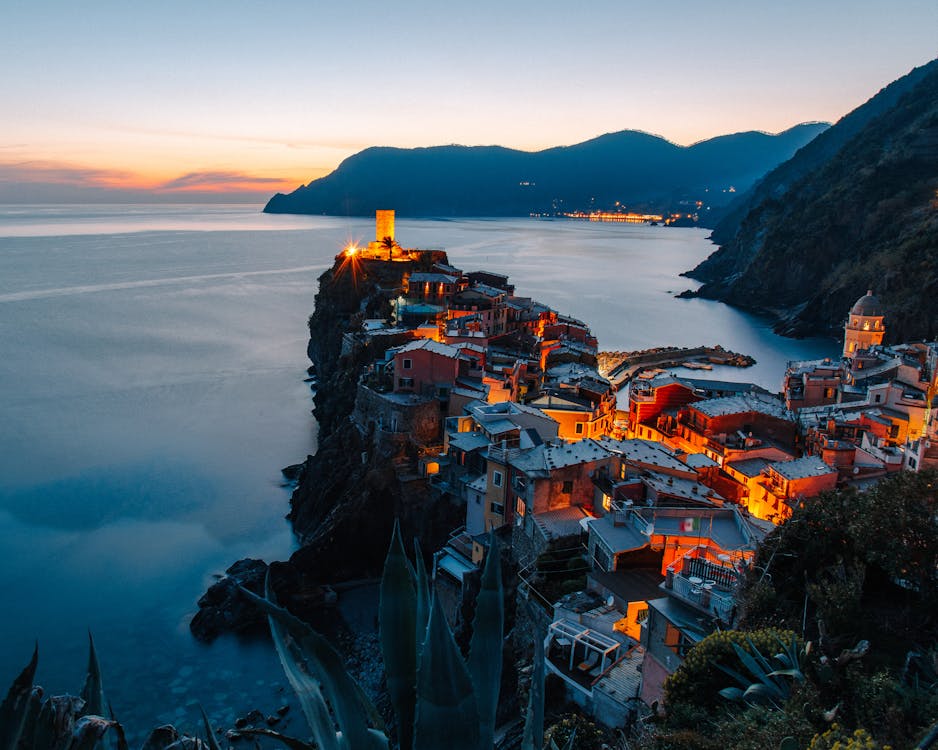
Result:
[[534, 719], [759, 673], [422, 586], [485, 647], [33, 709], [93, 691], [305, 686], [731, 693], [446, 714], [209, 734], [14, 709], [310, 661], [397, 624]]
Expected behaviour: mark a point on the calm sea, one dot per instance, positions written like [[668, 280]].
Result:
[[151, 388]]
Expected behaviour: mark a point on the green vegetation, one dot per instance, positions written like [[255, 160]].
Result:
[[852, 579]]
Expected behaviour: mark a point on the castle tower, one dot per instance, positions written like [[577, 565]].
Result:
[[864, 327], [384, 224]]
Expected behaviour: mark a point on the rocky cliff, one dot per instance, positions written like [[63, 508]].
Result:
[[855, 209], [349, 492]]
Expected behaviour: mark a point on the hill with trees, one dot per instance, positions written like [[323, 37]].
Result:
[[641, 171], [856, 208]]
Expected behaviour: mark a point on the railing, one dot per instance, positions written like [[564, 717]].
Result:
[[702, 593], [724, 577], [502, 454]]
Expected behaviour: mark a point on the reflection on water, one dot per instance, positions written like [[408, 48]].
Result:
[[151, 389]]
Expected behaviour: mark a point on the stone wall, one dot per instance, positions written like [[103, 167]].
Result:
[[418, 417]]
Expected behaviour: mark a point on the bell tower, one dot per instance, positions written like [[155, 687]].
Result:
[[864, 327]]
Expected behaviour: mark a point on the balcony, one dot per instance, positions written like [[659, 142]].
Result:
[[704, 584]]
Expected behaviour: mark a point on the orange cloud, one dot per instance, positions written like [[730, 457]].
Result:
[[65, 174], [223, 181]]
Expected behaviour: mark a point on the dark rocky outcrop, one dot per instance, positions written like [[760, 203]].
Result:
[[854, 209], [224, 609], [636, 168]]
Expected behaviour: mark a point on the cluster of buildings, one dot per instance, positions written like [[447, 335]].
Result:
[[631, 528]]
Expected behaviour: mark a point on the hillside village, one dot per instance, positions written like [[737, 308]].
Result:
[[632, 527]]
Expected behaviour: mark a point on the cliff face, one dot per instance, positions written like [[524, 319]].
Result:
[[853, 210], [349, 493]]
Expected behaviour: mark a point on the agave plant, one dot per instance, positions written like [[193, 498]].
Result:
[[31, 721], [439, 698], [766, 683]]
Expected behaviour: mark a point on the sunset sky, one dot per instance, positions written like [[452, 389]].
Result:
[[103, 100]]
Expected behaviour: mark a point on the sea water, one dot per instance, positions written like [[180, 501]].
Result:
[[151, 388]]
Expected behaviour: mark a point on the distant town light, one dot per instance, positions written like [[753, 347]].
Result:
[[351, 249]]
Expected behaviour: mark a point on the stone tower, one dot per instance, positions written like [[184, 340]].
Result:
[[864, 327], [384, 224]]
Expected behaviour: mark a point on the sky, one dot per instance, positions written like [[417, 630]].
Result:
[[237, 100]]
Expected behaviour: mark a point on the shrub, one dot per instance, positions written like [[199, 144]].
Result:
[[697, 681]]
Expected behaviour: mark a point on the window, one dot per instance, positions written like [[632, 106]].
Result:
[[405, 382], [567, 487], [578, 429], [622, 471], [407, 364], [607, 503], [497, 508], [520, 508], [878, 397], [497, 478], [828, 393]]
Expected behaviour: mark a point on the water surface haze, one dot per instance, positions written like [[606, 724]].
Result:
[[151, 388]]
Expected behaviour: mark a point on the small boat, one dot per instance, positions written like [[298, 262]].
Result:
[[696, 365]]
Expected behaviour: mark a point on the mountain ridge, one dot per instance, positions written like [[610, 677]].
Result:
[[628, 166]]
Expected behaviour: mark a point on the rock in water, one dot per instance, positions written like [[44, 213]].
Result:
[[224, 609]]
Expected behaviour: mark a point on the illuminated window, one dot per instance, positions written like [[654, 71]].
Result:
[[520, 508], [866, 326], [607, 503]]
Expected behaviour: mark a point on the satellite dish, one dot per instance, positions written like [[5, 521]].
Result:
[[610, 600], [856, 469]]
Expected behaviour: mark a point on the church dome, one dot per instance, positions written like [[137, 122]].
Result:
[[867, 306]]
